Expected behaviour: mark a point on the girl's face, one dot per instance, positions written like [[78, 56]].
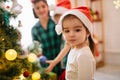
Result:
[[41, 9], [74, 31]]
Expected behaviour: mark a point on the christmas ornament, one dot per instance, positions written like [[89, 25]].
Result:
[[97, 14], [26, 74], [36, 76], [11, 54], [117, 4], [94, 17], [16, 8], [21, 77], [42, 59], [32, 57], [7, 8]]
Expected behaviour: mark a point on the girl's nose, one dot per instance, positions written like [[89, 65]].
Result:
[[71, 34]]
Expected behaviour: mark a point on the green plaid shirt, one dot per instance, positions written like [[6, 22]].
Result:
[[49, 39]]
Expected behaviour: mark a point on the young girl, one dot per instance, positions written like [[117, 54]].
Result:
[[76, 26], [44, 32]]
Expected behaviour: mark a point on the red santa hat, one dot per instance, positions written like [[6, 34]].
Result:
[[64, 4], [82, 13], [61, 7]]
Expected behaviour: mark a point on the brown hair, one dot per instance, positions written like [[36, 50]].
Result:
[[91, 42], [36, 1], [92, 45]]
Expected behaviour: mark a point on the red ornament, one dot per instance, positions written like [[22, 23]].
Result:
[[8, 7], [26, 74], [96, 12]]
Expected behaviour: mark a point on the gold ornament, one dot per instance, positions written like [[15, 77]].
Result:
[[11, 54], [3, 39], [95, 17], [22, 77], [36, 76], [32, 57]]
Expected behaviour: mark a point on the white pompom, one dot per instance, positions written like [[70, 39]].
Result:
[[58, 29]]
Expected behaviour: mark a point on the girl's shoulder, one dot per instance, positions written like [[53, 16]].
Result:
[[83, 51], [86, 52]]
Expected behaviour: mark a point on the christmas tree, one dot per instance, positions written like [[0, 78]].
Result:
[[15, 64]]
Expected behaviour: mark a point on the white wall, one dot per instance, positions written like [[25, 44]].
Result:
[[79, 3], [111, 26], [112, 32]]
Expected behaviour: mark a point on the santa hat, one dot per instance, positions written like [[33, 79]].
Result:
[[82, 13], [64, 4], [61, 7]]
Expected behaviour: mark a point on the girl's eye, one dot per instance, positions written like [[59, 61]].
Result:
[[43, 6], [37, 8], [66, 31], [77, 30]]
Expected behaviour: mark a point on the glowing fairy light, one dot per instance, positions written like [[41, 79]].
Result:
[[117, 4]]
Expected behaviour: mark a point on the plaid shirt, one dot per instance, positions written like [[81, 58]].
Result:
[[49, 39]]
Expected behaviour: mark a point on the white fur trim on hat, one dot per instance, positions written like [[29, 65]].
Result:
[[81, 16], [58, 29], [60, 10]]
